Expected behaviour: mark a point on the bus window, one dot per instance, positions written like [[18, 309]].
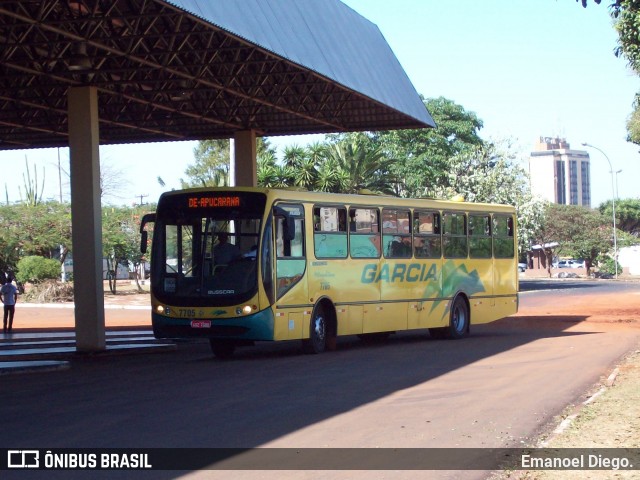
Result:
[[330, 232], [503, 241], [396, 233], [454, 235], [290, 255], [364, 233], [426, 235], [479, 236]]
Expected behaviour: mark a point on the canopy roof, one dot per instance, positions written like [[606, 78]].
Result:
[[196, 69]]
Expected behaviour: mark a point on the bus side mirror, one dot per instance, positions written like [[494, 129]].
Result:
[[143, 242], [289, 224], [146, 218], [289, 228]]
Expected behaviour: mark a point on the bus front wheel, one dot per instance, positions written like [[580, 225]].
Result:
[[317, 342], [221, 349]]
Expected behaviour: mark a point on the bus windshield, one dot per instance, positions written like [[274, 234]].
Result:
[[207, 254]]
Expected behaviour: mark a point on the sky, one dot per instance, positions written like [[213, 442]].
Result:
[[527, 68]]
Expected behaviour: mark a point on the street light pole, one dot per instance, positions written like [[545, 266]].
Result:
[[613, 204]]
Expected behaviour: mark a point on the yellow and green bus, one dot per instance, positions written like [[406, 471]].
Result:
[[238, 265]]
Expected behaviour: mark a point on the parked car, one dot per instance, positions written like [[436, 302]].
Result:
[[570, 263]]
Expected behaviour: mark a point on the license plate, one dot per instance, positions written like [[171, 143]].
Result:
[[201, 324]]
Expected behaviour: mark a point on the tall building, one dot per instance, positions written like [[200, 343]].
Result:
[[559, 174]]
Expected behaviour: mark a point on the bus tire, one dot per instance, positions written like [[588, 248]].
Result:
[[317, 342], [458, 319], [221, 349]]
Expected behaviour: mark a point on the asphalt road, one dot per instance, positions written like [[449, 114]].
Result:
[[497, 388]]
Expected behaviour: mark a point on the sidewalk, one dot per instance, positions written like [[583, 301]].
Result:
[[43, 337], [124, 309]]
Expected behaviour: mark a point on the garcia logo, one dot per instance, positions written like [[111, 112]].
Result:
[[400, 272], [23, 459]]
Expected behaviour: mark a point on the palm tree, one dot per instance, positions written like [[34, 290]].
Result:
[[361, 169]]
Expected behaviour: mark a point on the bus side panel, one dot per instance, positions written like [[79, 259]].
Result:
[[506, 288], [288, 325], [385, 317], [350, 286], [428, 314], [482, 302], [349, 319]]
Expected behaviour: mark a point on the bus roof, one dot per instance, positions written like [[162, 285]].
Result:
[[301, 195]]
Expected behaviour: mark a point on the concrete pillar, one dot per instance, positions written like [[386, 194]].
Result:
[[246, 167], [86, 218]]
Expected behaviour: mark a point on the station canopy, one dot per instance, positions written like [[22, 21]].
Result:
[[198, 69]]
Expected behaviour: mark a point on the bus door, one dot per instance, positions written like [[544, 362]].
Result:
[[292, 313]]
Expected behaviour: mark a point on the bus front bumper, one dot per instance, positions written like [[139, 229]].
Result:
[[254, 327]]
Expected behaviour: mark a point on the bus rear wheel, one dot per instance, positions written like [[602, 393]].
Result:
[[459, 319], [317, 342], [221, 349]]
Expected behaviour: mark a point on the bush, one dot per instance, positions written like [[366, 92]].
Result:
[[607, 265], [36, 269]]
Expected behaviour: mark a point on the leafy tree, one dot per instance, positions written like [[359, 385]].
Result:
[[9, 238], [581, 232], [121, 241], [626, 14], [423, 155], [545, 236], [211, 167], [627, 214], [39, 229], [212, 162], [491, 173]]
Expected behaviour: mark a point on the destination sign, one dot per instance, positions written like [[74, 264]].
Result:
[[213, 202]]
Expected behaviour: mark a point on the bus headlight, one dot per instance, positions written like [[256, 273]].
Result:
[[246, 310], [161, 309]]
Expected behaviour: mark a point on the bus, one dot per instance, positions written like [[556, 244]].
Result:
[[239, 265]]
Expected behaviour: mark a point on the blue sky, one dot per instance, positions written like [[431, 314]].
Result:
[[526, 67]]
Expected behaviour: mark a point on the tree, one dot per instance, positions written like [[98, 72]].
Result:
[[212, 163], [581, 232], [40, 229], [627, 214], [626, 14], [422, 155], [121, 241], [211, 167], [545, 236], [490, 173], [359, 168]]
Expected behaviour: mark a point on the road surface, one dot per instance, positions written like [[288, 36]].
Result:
[[498, 388]]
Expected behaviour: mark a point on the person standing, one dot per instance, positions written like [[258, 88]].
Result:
[[9, 297]]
